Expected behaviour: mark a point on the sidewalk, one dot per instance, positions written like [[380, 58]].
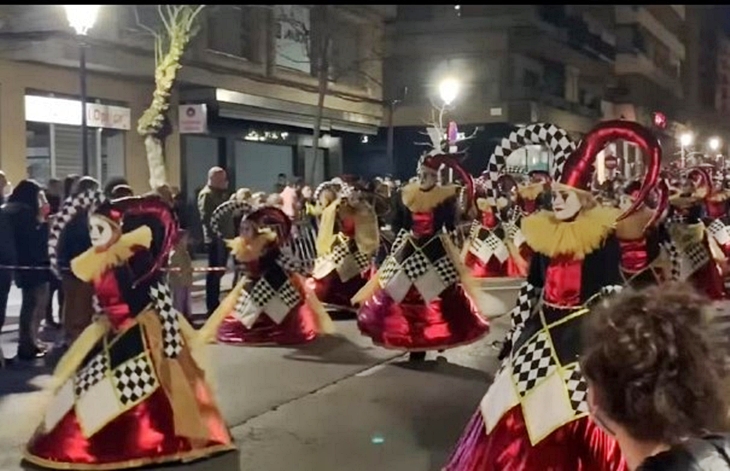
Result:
[[15, 297]]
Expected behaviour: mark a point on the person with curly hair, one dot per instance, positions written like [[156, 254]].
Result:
[[652, 384]]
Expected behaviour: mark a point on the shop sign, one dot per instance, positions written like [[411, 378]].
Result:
[[193, 119], [51, 110]]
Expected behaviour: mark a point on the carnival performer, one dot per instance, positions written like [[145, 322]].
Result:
[[271, 304], [128, 392], [493, 248], [535, 193], [535, 415], [422, 296], [347, 240], [698, 259], [715, 205], [641, 237]]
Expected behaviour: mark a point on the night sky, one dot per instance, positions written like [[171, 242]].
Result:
[[725, 9]]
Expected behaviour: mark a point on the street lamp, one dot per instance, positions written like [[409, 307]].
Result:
[[82, 18], [714, 143], [448, 89], [685, 140]]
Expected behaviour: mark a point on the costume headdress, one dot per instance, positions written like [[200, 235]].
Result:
[[434, 163], [273, 219], [125, 216], [579, 166], [228, 209], [549, 135]]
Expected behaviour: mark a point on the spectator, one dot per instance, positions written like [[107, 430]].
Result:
[[27, 210], [54, 194], [275, 200], [210, 197], [8, 257], [69, 183], [113, 182], [181, 278], [290, 198], [652, 384], [121, 191], [280, 183], [258, 199], [78, 307]]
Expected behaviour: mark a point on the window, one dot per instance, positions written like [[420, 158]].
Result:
[[55, 150], [145, 17], [231, 30], [293, 38], [554, 79]]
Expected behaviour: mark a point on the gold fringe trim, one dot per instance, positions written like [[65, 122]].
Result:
[[93, 263], [419, 201], [551, 237], [184, 457]]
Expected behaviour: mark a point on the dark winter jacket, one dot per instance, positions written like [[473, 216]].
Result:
[[31, 244], [708, 454], [74, 240]]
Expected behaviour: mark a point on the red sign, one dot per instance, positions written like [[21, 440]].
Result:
[[660, 120], [611, 162]]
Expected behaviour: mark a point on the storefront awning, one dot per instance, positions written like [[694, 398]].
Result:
[[237, 105]]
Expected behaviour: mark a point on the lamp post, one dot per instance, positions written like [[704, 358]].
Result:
[[685, 140], [82, 18], [448, 90]]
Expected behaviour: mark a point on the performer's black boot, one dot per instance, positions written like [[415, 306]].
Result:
[[417, 357]]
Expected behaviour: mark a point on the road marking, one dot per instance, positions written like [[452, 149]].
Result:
[[373, 370]]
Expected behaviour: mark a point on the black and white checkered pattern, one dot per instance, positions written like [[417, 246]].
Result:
[[446, 270], [73, 205], [492, 242], [401, 237], [289, 263], [675, 260], [289, 295], [416, 265], [92, 373], [577, 390], [716, 226], [525, 302], [474, 229], [533, 362], [555, 138], [226, 210], [515, 170], [261, 293], [696, 256], [339, 252], [172, 340], [388, 270], [134, 380], [362, 259]]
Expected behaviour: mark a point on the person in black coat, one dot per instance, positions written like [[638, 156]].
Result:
[[26, 211]]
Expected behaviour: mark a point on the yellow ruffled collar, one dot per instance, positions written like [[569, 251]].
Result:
[[578, 238], [419, 201], [93, 263]]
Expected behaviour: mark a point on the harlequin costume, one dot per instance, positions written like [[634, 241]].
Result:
[[535, 414], [271, 304], [535, 193], [495, 246], [347, 240], [697, 257], [715, 205], [128, 392], [641, 237], [422, 296]]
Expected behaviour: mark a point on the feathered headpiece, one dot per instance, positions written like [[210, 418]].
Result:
[[434, 163]]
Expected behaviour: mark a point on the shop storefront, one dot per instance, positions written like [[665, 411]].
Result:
[[53, 137]]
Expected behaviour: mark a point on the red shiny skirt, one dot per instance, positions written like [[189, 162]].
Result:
[[140, 436], [492, 269], [332, 291], [448, 321], [577, 446], [298, 327]]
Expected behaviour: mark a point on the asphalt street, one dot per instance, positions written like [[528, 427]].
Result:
[[338, 403]]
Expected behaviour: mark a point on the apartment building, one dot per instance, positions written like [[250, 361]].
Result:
[[246, 98], [516, 64], [567, 64]]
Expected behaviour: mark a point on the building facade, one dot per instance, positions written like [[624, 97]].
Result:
[[565, 64], [248, 91]]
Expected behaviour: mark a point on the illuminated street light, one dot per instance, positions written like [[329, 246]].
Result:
[[714, 143], [82, 18], [686, 139], [448, 89]]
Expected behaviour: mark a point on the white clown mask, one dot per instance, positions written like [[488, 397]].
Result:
[[102, 231], [566, 204], [427, 178]]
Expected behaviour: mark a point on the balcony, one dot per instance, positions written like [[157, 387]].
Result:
[[640, 64], [579, 34], [629, 15]]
